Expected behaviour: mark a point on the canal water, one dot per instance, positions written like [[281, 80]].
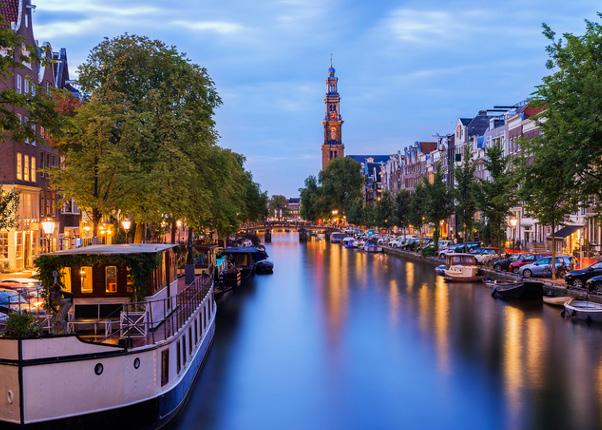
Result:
[[338, 339]]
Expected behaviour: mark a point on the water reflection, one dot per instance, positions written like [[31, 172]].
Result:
[[340, 339]]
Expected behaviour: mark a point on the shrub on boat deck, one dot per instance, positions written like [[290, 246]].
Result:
[[22, 325]]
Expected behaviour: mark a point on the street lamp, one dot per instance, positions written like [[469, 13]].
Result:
[[48, 227], [513, 223], [126, 224]]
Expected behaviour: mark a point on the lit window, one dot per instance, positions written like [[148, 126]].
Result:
[[26, 86], [19, 166], [4, 246], [26, 167], [33, 169], [66, 278], [85, 277], [111, 279]]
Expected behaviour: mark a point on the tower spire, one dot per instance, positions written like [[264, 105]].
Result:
[[332, 147]]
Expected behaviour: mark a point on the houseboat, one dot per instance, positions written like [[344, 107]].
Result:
[[126, 342], [337, 237]]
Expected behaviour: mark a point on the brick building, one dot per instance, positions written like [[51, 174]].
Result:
[[22, 163]]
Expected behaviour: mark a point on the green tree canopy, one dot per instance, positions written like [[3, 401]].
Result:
[[464, 193], [438, 202]]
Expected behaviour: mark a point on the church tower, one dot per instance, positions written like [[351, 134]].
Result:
[[333, 135]]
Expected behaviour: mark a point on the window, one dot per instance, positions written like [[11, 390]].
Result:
[[4, 246], [42, 164], [33, 90], [85, 276], [66, 278], [129, 281], [190, 339], [179, 357], [196, 330], [19, 83], [164, 366], [26, 167], [26, 86], [48, 88], [184, 353], [19, 166], [33, 169], [111, 279]]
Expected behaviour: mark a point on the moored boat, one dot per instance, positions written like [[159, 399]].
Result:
[[350, 242], [558, 301], [461, 268], [583, 310], [127, 336], [518, 291], [336, 237]]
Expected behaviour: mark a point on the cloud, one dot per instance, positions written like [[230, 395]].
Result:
[[220, 27], [409, 25], [92, 6]]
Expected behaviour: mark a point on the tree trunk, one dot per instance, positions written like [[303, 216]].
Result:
[[138, 233], [436, 237], [173, 231], [553, 252], [96, 216]]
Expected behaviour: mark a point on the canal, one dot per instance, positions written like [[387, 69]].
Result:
[[337, 339]]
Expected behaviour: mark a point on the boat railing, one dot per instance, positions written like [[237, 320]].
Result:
[[149, 322]]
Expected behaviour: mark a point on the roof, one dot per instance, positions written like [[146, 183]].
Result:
[[465, 121], [566, 231], [241, 250], [9, 9], [364, 158], [478, 125], [135, 248], [294, 200]]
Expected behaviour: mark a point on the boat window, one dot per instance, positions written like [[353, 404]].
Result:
[[164, 366], [196, 332], [66, 278], [184, 353], [111, 279], [190, 339], [198, 321], [130, 281], [85, 277], [178, 357]]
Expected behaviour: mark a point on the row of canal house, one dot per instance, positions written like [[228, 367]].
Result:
[[505, 125], [23, 164]]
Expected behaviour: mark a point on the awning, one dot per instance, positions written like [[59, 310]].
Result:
[[565, 231]]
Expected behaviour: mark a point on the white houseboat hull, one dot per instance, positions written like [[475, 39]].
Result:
[[56, 382]]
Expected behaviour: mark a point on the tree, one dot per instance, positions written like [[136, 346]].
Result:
[[385, 211], [417, 206], [355, 214], [341, 184], [464, 193], [439, 202], [403, 200], [278, 205], [9, 203], [311, 200], [496, 195], [572, 99]]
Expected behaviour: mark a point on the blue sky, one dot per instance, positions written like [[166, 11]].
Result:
[[407, 69]]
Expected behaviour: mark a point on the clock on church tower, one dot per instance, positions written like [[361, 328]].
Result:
[[332, 147]]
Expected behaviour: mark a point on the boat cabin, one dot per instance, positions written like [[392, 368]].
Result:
[[244, 257], [208, 257], [102, 281], [458, 259]]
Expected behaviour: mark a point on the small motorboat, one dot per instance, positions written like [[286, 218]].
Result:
[[558, 301], [461, 268], [518, 291], [583, 310], [264, 267], [440, 270], [350, 242], [494, 283], [372, 246]]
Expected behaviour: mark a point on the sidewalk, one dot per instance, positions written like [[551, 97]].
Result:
[[22, 274]]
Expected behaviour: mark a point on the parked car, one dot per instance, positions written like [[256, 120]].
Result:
[[594, 284], [578, 278], [503, 264], [485, 255], [524, 260], [543, 267]]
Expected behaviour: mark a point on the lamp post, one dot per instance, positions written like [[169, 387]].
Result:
[[126, 224], [48, 227], [513, 222]]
